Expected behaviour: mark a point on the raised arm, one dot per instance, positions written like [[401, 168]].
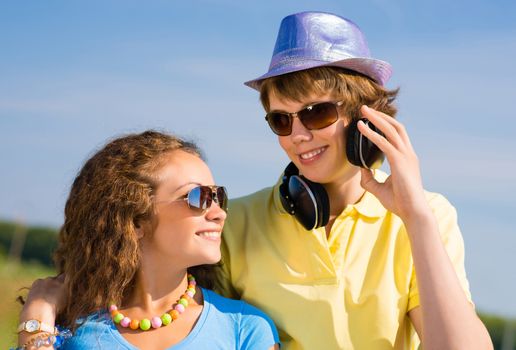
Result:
[[445, 318]]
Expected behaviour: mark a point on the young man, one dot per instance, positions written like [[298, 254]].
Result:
[[340, 255]]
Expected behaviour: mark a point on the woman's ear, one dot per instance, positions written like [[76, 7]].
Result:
[[139, 228]]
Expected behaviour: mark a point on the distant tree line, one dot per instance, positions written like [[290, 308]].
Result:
[[501, 330], [38, 243]]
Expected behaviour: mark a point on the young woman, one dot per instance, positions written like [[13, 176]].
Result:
[[142, 231]]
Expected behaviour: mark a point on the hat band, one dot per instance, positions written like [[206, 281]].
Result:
[[296, 57]]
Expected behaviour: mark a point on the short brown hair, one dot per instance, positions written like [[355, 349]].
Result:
[[354, 88]]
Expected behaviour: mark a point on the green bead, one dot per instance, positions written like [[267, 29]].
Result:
[[118, 317], [145, 324], [191, 278], [166, 319], [183, 301], [191, 290]]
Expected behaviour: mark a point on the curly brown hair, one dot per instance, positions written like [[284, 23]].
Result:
[[354, 88], [98, 249]]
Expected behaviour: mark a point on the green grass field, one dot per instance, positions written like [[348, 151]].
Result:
[[13, 277]]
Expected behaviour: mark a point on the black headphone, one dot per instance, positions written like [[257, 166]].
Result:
[[308, 200]]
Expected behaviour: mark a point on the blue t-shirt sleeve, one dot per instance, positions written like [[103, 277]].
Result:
[[257, 330]]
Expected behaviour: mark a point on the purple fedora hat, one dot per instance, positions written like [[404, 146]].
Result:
[[315, 39]]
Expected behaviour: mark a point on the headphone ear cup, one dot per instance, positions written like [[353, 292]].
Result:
[[308, 205], [306, 200], [285, 197], [359, 149], [286, 200], [323, 202], [353, 143]]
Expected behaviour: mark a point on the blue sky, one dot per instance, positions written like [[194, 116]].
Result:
[[74, 74]]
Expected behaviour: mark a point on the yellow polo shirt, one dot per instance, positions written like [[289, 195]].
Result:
[[351, 290]]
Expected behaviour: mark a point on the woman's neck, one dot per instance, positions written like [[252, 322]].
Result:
[[157, 287], [157, 290]]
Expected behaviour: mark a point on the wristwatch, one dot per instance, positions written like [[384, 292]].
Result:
[[35, 326]]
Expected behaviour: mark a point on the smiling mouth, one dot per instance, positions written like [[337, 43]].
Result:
[[312, 153], [211, 235]]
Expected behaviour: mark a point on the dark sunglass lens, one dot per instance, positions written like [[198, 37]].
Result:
[[319, 115], [280, 123], [222, 198], [194, 198], [206, 197], [197, 198]]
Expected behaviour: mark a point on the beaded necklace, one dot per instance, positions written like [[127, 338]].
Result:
[[156, 322]]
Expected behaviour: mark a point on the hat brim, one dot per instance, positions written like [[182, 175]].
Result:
[[378, 70]]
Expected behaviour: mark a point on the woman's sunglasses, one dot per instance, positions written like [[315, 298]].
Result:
[[313, 117], [200, 198]]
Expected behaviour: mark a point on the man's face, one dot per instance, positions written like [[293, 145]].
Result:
[[319, 155]]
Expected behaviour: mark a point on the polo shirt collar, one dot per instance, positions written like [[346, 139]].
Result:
[[276, 196], [369, 206]]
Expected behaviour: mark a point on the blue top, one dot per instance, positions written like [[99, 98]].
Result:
[[223, 324]]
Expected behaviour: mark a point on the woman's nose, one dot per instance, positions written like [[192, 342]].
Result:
[[215, 212]]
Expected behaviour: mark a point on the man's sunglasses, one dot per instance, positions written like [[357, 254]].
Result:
[[200, 198], [313, 117]]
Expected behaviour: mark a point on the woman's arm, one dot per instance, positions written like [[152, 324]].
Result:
[[445, 318]]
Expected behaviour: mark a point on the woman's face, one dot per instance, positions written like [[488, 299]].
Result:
[[178, 233], [320, 155]]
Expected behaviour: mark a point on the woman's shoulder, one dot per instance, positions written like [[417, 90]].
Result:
[[238, 310], [95, 332], [96, 320], [251, 326], [222, 304]]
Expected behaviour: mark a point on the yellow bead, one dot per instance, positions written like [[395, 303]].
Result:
[[145, 324], [183, 301], [166, 319], [118, 317]]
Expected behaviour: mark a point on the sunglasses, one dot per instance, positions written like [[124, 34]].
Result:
[[200, 198], [313, 117]]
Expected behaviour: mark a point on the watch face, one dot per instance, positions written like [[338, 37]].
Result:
[[32, 326]]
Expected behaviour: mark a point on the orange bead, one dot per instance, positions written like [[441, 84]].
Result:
[[114, 313], [174, 314], [135, 324]]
